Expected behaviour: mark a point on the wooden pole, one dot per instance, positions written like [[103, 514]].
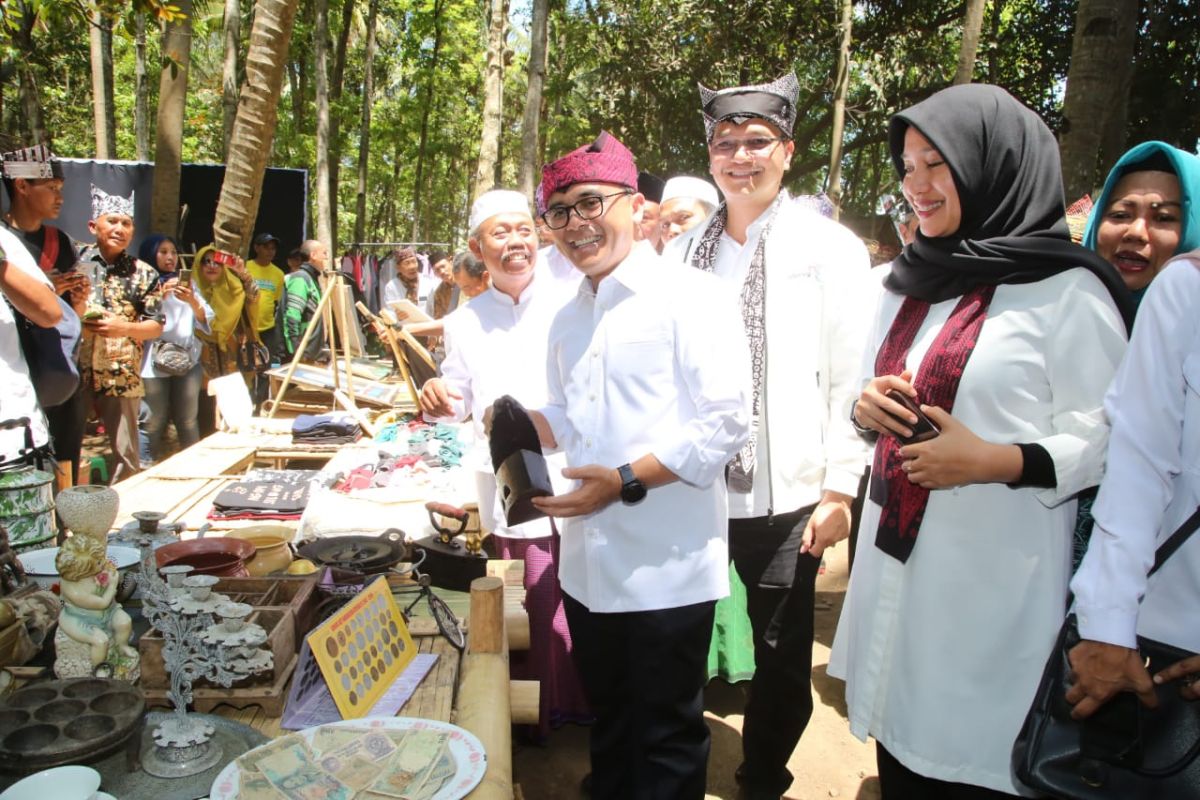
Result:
[[516, 623], [339, 318], [484, 706], [388, 334], [487, 616], [525, 699]]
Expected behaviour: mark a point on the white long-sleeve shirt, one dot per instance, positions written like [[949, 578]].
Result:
[[968, 621], [1152, 482], [18, 398], [654, 361], [820, 295], [497, 347]]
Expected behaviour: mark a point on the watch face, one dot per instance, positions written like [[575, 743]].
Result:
[[633, 492]]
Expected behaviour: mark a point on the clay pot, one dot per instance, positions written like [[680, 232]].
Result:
[[89, 509], [223, 557], [273, 543]]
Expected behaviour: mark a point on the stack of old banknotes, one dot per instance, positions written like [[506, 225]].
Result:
[[342, 763]]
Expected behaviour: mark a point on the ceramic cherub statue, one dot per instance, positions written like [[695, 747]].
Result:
[[93, 629]]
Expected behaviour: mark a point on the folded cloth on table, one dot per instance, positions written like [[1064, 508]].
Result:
[[332, 428], [266, 494]]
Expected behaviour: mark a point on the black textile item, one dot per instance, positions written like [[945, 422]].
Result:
[[267, 492], [1006, 168], [324, 424], [651, 186], [335, 428]]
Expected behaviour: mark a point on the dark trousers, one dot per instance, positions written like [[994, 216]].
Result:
[[780, 584], [65, 423], [644, 675], [898, 782]]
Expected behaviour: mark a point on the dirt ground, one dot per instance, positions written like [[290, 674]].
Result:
[[828, 762]]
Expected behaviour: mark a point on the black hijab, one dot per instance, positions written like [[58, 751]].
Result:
[[1005, 165]]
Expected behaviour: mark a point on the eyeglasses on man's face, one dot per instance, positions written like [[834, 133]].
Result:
[[589, 207], [754, 145]]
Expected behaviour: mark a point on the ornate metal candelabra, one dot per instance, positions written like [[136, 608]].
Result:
[[184, 610]]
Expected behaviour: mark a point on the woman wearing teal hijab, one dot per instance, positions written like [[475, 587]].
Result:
[[1148, 212]]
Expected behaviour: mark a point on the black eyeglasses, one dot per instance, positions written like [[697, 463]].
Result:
[[589, 207]]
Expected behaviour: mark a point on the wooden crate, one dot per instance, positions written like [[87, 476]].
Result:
[[270, 697], [280, 625], [296, 593]]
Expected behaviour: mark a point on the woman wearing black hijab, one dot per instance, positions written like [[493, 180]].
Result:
[[1007, 335]]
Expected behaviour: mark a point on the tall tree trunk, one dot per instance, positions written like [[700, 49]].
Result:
[[993, 68], [254, 128], [298, 79], [103, 116], [141, 88], [841, 82], [1104, 36], [1112, 143], [172, 99], [493, 99], [538, 45], [426, 107], [29, 98], [229, 82], [972, 27], [325, 226], [364, 139], [335, 94]]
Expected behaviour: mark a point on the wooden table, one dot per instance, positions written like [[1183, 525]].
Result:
[[183, 487]]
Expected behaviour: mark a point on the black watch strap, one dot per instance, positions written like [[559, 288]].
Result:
[[626, 473], [632, 490]]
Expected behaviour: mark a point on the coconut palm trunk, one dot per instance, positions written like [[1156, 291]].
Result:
[[254, 127]]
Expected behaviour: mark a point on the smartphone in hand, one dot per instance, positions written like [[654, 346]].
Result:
[[923, 429], [185, 276]]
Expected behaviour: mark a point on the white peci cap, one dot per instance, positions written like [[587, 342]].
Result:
[[687, 186], [497, 201]]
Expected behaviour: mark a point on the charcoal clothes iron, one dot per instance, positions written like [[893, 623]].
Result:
[[521, 472]]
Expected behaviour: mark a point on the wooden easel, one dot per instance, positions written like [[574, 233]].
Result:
[[393, 334], [334, 317]]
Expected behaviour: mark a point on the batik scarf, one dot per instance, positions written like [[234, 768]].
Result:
[[936, 383], [754, 315]]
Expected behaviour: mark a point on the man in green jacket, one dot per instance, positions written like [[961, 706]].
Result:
[[302, 290]]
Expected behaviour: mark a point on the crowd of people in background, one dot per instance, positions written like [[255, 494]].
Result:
[[729, 389]]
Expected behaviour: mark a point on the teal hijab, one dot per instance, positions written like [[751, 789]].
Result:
[[1185, 166]]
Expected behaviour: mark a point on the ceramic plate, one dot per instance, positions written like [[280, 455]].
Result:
[[39, 564], [469, 757]]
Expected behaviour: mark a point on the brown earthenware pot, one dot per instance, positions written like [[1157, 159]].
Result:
[[223, 557]]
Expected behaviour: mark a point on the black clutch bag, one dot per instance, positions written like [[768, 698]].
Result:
[[521, 472], [1124, 750]]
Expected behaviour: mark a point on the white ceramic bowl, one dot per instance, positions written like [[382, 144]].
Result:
[[61, 783], [39, 564]]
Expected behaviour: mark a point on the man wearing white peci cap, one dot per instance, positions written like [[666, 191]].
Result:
[[686, 202], [495, 346]]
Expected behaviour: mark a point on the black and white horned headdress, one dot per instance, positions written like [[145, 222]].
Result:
[[775, 102]]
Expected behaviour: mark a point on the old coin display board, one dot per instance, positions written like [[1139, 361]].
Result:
[[362, 649]]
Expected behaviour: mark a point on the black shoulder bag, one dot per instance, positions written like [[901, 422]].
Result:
[[1124, 750]]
